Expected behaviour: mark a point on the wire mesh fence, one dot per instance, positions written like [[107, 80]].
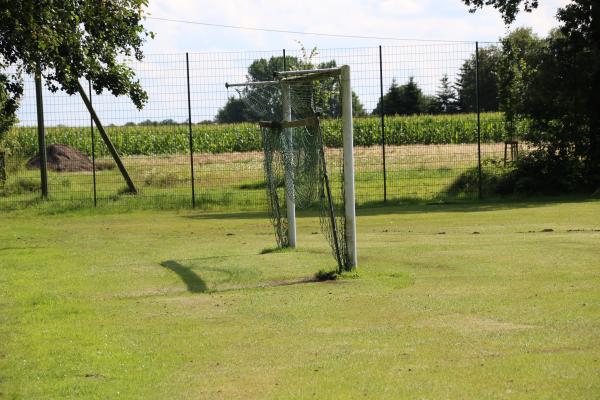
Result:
[[418, 135]]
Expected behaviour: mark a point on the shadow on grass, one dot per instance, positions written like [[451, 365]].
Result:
[[257, 185], [282, 283], [414, 206], [229, 215], [195, 284], [408, 206], [129, 203], [269, 250]]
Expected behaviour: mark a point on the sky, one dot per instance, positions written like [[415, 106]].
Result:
[[219, 55], [413, 19]]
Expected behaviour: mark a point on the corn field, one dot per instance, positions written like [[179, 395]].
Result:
[[245, 137]]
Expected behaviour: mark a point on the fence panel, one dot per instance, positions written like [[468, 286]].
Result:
[[429, 103], [69, 149], [228, 159], [153, 142], [425, 155]]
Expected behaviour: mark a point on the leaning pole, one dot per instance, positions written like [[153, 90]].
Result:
[[106, 139]]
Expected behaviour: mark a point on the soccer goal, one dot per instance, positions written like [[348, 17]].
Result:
[[298, 111]]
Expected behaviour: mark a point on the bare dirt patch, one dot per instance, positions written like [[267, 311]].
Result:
[[62, 158]]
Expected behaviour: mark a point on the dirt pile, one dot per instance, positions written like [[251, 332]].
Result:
[[62, 158]]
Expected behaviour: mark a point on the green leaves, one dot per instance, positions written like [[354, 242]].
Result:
[[407, 99], [11, 90], [508, 8], [72, 39]]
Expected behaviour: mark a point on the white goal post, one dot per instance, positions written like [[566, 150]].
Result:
[[286, 78], [348, 142]]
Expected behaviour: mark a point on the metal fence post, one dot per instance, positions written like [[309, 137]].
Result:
[[382, 124], [284, 61], [191, 139], [93, 147], [480, 178], [41, 134]]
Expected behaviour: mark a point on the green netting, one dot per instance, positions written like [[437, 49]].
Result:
[[296, 162], [275, 182]]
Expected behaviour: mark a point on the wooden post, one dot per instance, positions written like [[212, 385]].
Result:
[[41, 135], [106, 139]]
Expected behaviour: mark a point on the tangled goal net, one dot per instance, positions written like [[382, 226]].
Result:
[[300, 172]]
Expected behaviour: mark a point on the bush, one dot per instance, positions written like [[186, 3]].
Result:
[[496, 179], [542, 172], [537, 173]]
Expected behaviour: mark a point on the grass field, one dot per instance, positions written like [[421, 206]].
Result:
[[234, 180], [458, 301]]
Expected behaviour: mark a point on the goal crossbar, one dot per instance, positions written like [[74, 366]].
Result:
[[289, 124], [314, 72], [256, 83], [292, 76]]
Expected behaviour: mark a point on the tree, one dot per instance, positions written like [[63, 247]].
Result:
[[358, 110], [508, 8], [148, 122], [235, 110], [66, 40], [563, 89], [10, 93], [445, 100], [488, 87], [406, 99], [521, 50], [324, 92], [264, 70]]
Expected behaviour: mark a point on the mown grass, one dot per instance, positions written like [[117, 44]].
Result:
[[184, 305]]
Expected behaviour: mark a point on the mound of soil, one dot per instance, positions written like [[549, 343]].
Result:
[[62, 158]]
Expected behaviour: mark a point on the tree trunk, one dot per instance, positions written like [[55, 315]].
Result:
[[2, 168]]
